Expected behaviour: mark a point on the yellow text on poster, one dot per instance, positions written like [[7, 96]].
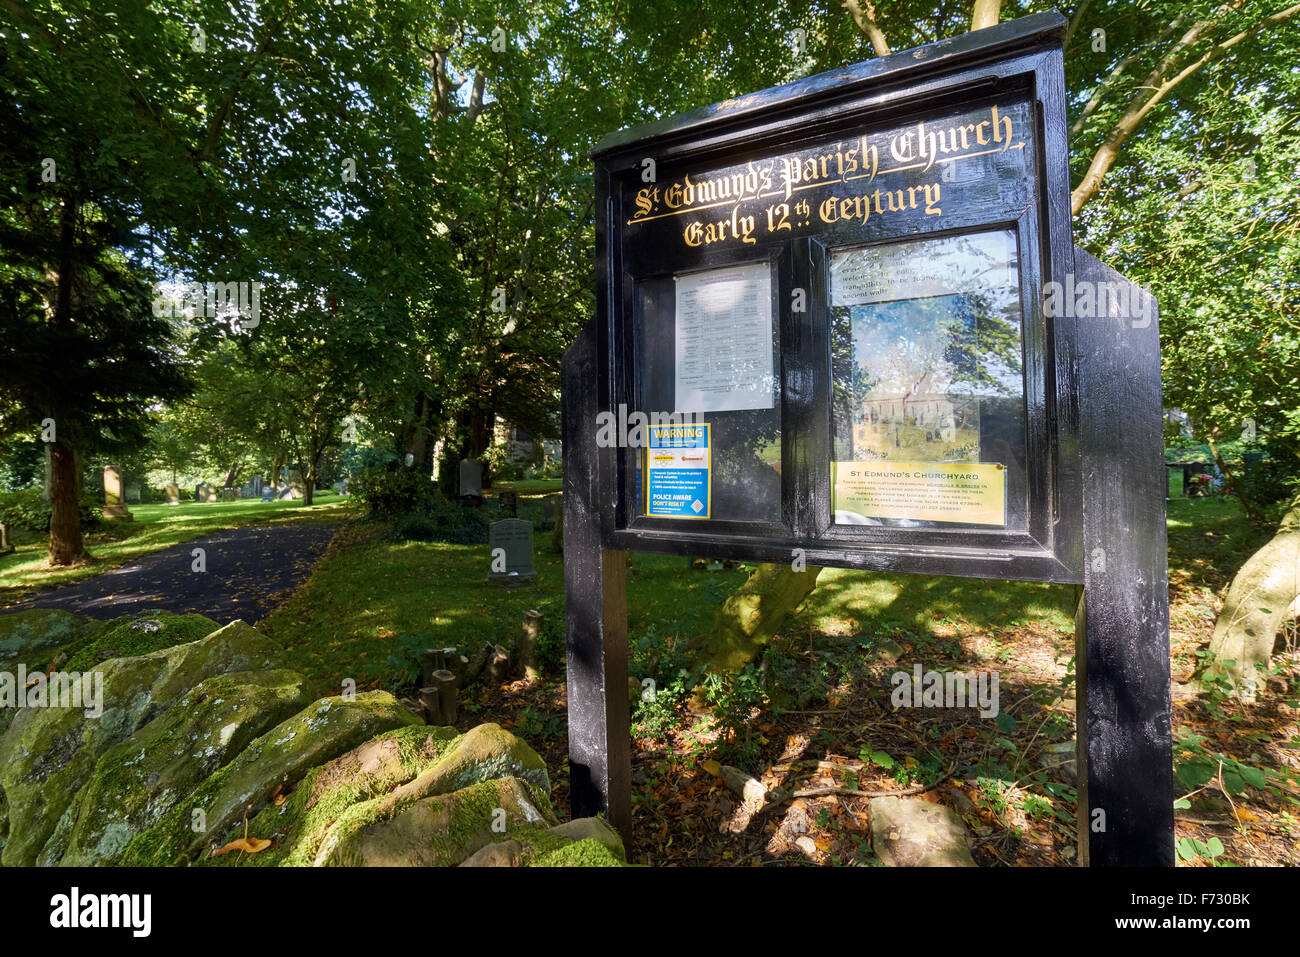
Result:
[[965, 492]]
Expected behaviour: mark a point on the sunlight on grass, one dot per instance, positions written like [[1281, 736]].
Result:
[[155, 527]]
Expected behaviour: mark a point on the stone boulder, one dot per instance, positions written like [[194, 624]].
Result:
[[134, 783], [193, 746], [47, 755], [909, 832]]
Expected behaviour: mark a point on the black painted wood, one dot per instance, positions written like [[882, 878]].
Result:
[[595, 609], [1090, 506], [1125, 745]]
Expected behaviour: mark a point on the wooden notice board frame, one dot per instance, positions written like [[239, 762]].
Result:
[[956, 138]]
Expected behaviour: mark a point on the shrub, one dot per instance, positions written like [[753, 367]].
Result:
[[27, 508], [442, 521], [391, 491]]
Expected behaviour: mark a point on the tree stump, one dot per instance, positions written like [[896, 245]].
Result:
[[498, 665], [529, 637]]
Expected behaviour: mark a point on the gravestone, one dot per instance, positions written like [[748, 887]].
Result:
[[203, 492], [5, 547], [172, 493], [471, 481], [114, 498], [229, 494], [548, 512], [341, 487], [268, 494], [246, 490], [509, 502], [513, 565]]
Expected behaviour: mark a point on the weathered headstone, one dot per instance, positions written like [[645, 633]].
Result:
[[246, 490], [114, 496], [257, 484], [268, 493], [203, 492], [230, 494], [471, 481], [510, 550], [173, 493]]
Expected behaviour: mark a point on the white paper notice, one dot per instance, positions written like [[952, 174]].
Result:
[[724, 339]]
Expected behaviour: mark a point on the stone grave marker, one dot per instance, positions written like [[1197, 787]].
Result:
[[471, 481], [114, 496], [246, 490], [173, 494], [203, 492], [513, 564], [268, 493], [257, 484]]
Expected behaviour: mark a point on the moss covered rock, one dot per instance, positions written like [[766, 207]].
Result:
[[298, 825], [48, 754], [32, 636], [140, 779], [139, 635], [274, 761], [441, 830], [588, 852], [484, 753]]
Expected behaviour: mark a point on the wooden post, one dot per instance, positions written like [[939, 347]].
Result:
[[595, 609], [1125, 743], [529, 635]]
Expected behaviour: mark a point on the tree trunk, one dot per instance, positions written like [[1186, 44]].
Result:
[[232, 475], [752, 615], [66, 544], [1257, 605]]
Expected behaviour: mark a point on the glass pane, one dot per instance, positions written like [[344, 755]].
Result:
[[708, 344], [928, 404]]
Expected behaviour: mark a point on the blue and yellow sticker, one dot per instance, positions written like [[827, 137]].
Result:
[[677, 477]]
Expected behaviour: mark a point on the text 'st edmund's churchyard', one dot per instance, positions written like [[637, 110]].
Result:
[[849, 435]]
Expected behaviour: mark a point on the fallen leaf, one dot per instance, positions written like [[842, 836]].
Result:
[[713, 767], [252, 845]]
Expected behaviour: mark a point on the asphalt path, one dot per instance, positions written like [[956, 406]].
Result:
[[250, 570]]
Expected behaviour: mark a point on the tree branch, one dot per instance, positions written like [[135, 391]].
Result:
[[1076, 20], [866, 21], [985, 14], [1153, 91]]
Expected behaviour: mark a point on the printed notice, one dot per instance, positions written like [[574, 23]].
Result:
[[677, 471], [969, 493], [724, 340]]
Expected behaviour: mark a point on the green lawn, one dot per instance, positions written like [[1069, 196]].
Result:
[[155, 527], [528, 486]]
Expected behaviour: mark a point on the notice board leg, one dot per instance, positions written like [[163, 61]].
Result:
[[595, 613], [1125, 747]]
